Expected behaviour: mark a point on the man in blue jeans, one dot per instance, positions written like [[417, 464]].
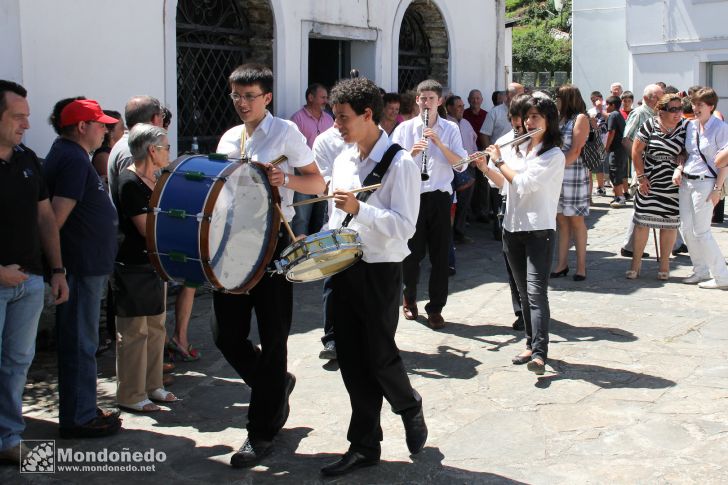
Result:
[[88, 222], [28, 227]]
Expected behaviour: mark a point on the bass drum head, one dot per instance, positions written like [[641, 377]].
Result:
[[241, 227]]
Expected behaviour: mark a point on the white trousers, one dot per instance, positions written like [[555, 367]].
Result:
[[696, 213]]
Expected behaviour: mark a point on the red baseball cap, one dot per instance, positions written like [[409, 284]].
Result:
[[84, 110]]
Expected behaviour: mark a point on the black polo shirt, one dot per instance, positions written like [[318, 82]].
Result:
[[21, 187]]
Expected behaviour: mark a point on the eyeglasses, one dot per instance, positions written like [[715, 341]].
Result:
[[163, 147], [249, 98], [674, 109]]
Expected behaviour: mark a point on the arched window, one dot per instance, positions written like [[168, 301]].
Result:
[[414, 51], [213, 37]]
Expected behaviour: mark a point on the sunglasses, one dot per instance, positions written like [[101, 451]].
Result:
[[674, 109]]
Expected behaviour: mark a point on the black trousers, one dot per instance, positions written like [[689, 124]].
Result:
[[264, 369], [480, 202], [462, 210], [328, 324], [529, 254], [364, 303], [432, 235]]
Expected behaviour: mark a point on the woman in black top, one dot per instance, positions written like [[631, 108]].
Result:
[[139, 292]]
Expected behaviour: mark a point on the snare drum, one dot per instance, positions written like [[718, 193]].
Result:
[[212, 222], [320, 255]]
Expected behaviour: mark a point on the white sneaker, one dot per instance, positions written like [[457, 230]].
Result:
[[695, 278], [712, 285], [618, 202]]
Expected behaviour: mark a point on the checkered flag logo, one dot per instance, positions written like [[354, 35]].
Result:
[[41, 458]]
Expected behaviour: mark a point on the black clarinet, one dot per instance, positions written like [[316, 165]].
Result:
[[424, 175]]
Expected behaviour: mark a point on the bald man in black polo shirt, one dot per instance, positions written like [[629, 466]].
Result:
[[28, 226]]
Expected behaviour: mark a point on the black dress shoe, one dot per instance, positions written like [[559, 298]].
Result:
[[415, 429], [290, 384], [519, 324], [329, 351], [559, 274], [251, 453], [350, 461], [98, 427], [579, 277], [680, 250]]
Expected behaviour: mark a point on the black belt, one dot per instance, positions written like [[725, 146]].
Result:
[[697, 177]]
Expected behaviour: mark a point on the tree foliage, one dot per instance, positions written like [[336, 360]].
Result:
[[535, 48]]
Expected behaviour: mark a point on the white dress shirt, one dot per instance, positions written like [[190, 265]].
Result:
[[496, 122], [387, 220], [533, 195], [272, 138], [327, 146], [713, 140], [440, 170]]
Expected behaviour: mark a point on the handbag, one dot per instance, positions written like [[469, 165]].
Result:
[[593, 153], [462, 180], [138, 290]]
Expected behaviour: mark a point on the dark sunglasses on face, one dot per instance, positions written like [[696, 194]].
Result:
[[673, 109]]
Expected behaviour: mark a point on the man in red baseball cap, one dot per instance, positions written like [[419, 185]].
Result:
[[88, 225], [89, 120]]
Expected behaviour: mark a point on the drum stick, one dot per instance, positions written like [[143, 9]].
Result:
[[285, 222], [327, 197]]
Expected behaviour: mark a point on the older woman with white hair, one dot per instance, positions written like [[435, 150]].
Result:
[[138, 290]]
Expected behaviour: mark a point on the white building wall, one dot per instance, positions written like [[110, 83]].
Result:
[[599, 47], [671, 41], [110, 50], [89, 48], [11, 65]]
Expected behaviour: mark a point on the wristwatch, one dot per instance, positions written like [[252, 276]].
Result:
[[498, 163], [60, 270], [285, 179]]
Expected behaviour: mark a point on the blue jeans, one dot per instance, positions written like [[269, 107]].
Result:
[[309, 218], [20, 308], [77, 326]]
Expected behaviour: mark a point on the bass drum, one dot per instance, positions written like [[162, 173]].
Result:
[[212, 222]]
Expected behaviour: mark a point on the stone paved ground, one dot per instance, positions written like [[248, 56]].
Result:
[[636, 388]]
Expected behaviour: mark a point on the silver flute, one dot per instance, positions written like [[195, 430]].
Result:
[[519, 139]]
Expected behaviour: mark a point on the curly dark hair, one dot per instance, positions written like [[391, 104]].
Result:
[[360, 93], [546, 108]]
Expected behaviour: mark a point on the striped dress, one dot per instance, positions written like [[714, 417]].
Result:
[[660, 209], [574, 198]]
